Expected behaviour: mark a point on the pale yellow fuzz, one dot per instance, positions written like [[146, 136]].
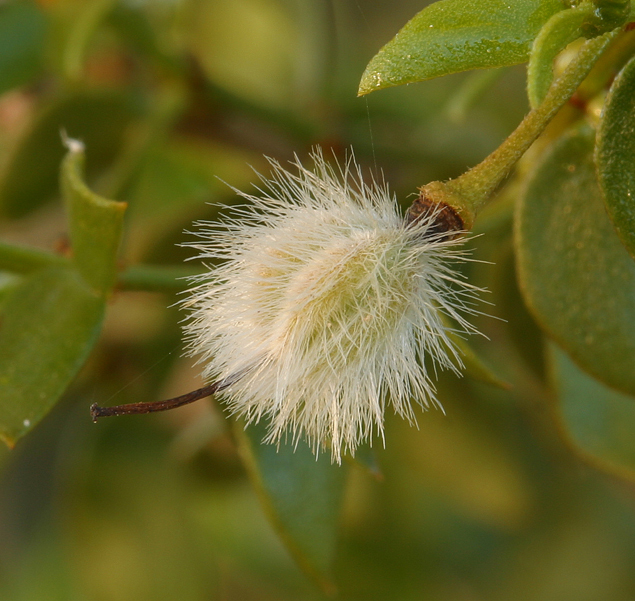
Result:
[[323, 307]]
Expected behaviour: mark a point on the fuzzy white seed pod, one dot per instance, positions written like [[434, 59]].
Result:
[[321, 306]]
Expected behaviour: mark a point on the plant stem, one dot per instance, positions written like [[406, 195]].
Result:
[[24, 260], [152, 278], [155, 278], [185, 399], [470, 192], [141, 408]]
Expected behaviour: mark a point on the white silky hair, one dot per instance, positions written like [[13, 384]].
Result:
[[327, 304]]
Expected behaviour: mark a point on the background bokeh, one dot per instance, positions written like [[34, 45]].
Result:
[[177, 101]]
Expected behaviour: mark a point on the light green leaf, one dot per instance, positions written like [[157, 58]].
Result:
[[596, 421], [22, 34], [575, 275], [615, 155], [301, 495], [562, 29], [49, 325], [32, 175], [77, 24], [52, 320], [456, 35], [95, 224]]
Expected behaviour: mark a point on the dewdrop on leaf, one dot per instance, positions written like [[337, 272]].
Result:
[[323, 305]]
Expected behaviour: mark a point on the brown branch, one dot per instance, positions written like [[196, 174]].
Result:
[[138, 408]]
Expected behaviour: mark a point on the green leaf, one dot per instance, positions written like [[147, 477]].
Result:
[[8, 283], [77, 22], [615, 155], [524, 334], [95, 224], [562, 29], [22, 34], [52, 320], [596, 421], [475, 366], [48, 327], [301, 495], [456, 35], [32, 175], [575, 275]]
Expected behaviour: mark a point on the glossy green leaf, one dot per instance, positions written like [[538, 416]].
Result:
[[22, 34], [48, 327], [32, 175], [456, 35], [301, 495], [95, 224], [615, 155], [575, 275], [596, 421], [562, 29]]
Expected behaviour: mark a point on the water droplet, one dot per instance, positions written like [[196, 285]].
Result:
[[26, 423]]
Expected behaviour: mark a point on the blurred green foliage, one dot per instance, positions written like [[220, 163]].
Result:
[[523, 493], [565, 236]]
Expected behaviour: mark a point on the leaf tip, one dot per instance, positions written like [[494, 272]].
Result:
[[371, 81], [72, 144], [8, 440], [363, 89], [504, 385]]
